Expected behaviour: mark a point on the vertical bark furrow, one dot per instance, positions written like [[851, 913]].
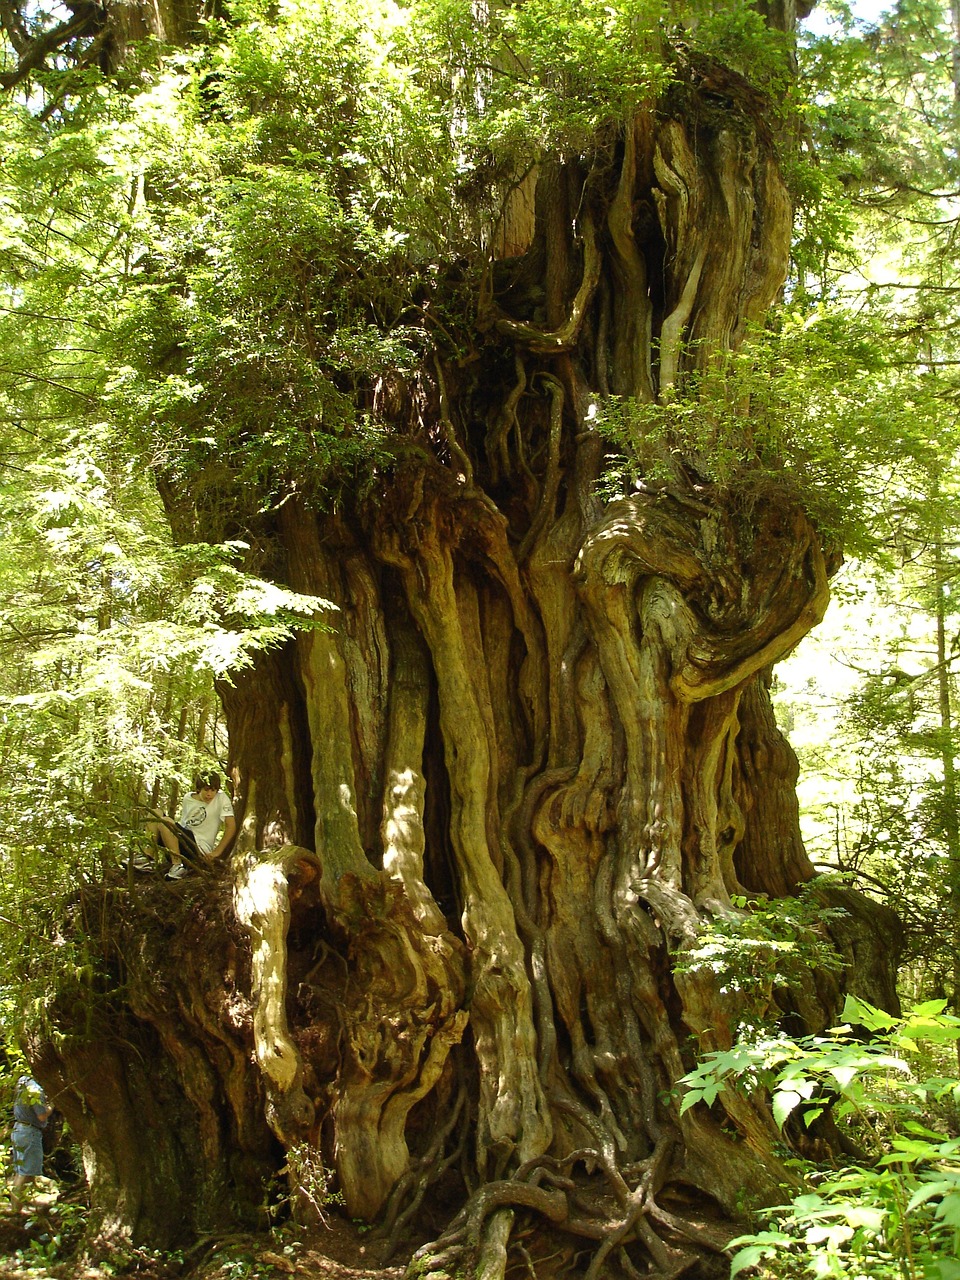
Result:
[[705, 775], [631, 358], [402, 830], [513, 1117]]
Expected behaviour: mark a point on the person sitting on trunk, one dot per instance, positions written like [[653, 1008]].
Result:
[[30, 1115], [194, 838]]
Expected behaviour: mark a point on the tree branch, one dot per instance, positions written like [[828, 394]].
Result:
[[562, 339], [34, 51]]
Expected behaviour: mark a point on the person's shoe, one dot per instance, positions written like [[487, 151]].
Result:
[[140, 862], [177, 872]]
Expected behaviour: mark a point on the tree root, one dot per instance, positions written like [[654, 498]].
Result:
[[408, 1194], [627, 1217], [564, 337]]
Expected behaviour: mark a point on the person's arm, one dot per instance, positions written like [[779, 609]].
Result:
[[229, 831], [38, 1103]]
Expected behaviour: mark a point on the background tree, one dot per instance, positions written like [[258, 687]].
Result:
[[885, 132]]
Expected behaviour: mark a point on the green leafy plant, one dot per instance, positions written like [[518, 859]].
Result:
[[765, 945], [809, 406], [311, 1180], [896, 1214]]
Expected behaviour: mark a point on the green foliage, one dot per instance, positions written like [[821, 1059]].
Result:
[[879, 105], [738, 36], [764, 946], [896, 1214], [900, 816], [551, 76], [112, 633], [880, 783], [898, 1219], [311, 1179], [264, 283], [810, 407], [56, 1235]]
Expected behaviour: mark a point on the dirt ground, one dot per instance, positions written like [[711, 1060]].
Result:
[[36, 1245], [333, 1254]]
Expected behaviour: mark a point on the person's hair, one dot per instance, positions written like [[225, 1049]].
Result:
[[208, 779]]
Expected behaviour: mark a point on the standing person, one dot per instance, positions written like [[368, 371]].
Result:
[[30, 1115], [194, 838]]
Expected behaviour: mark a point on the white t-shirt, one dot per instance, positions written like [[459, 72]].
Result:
[[203, 821]]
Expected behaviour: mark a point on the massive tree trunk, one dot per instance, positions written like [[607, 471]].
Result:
[[485, 811]]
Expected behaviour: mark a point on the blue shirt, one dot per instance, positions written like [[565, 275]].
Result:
[[29, 1103]]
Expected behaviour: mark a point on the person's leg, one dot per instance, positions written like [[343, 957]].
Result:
[[27, 1161], [20, 1180], [187, 855], [167, 836]]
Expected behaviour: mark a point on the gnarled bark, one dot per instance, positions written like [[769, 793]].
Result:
[[533, 754]]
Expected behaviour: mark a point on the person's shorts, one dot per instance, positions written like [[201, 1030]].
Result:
[[27, 1150], [189, 849]]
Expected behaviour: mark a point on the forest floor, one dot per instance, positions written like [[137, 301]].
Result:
[[44, 1243], [36, 1245]]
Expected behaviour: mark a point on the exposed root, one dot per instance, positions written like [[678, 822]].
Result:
[[628, 1217], [496, 442], [450, 431], [408, 1194], [564, 337], [633, 1223]]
